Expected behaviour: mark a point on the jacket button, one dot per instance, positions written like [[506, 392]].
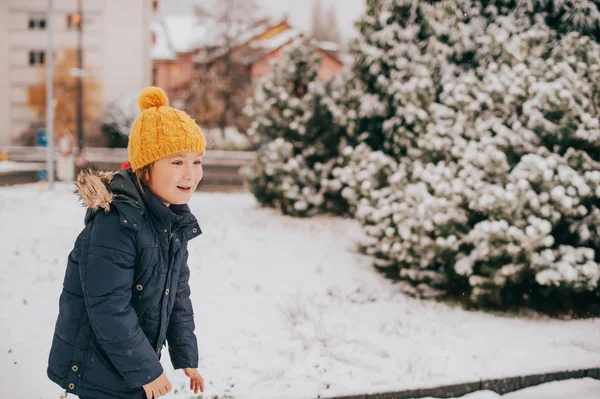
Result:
[[165, 231], [139, 287], [71, 386], [75, 368], [167, 292], [124, 220], [195, 230]]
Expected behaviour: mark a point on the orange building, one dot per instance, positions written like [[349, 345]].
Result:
[[185, 46]]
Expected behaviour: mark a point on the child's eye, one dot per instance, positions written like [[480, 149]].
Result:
[[177, 163], [198, 162]]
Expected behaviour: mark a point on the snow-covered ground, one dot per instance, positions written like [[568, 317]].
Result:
[[285, 308]]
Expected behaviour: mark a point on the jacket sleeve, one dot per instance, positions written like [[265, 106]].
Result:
[[183, 346], [107, 273]]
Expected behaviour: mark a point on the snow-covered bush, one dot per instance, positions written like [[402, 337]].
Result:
[[229, 140], [294, 104], [416, 224], [283, 180], [117, 119], [491, 110], [298, 120], [357, 173]]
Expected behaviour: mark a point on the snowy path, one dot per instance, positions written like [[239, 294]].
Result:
[[285, 308]]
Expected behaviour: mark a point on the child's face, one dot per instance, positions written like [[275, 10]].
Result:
[[175, 178]]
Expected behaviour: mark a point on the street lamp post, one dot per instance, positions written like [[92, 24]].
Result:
[[50, 155], [79, 78]]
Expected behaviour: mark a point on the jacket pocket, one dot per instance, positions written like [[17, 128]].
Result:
[[100, 371]]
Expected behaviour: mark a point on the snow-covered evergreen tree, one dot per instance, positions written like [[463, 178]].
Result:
[[491, 110], [118, 118], [357, 173], [297, 118]]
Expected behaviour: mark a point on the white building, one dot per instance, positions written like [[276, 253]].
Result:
[[116, 45]]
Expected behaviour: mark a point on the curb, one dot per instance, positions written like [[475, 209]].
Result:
[[501, 386]]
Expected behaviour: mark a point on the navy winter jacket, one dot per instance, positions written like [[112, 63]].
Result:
[[125, 291]]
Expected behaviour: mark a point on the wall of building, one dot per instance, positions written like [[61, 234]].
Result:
[[126, 41], [5, 94], [115, 42], [329, 67], [261, 67], [173, 74]]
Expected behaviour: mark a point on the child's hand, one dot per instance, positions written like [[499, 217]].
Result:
[[159, 387], [196, 380]]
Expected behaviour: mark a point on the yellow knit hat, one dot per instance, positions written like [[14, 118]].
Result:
[[160, 131]]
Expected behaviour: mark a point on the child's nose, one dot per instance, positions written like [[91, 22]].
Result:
[[188, 173]]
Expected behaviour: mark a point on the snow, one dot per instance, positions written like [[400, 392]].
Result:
[[161, 50], [285, 308], [330, 46], [182, 33], [186, 32], [10, 166]]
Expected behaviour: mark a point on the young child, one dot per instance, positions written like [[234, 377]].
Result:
[[126, 286]]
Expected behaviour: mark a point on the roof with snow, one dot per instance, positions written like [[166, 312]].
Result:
[[277, 41], [176, 34], [162, 49], [182, 34], [260, 48], [249, 35]]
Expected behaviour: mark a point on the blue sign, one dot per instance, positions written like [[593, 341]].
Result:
[[42, 141], [42, 175]]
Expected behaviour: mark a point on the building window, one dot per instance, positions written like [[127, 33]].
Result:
[[37, 22], [37, 57], [73, 21]]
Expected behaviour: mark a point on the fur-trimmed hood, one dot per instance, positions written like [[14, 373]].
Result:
[[92, 189], [98, 189]]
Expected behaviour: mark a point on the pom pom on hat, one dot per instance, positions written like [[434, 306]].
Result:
[[152, 97]]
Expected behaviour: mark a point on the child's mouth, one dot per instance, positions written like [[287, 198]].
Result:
[[184, 189]]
